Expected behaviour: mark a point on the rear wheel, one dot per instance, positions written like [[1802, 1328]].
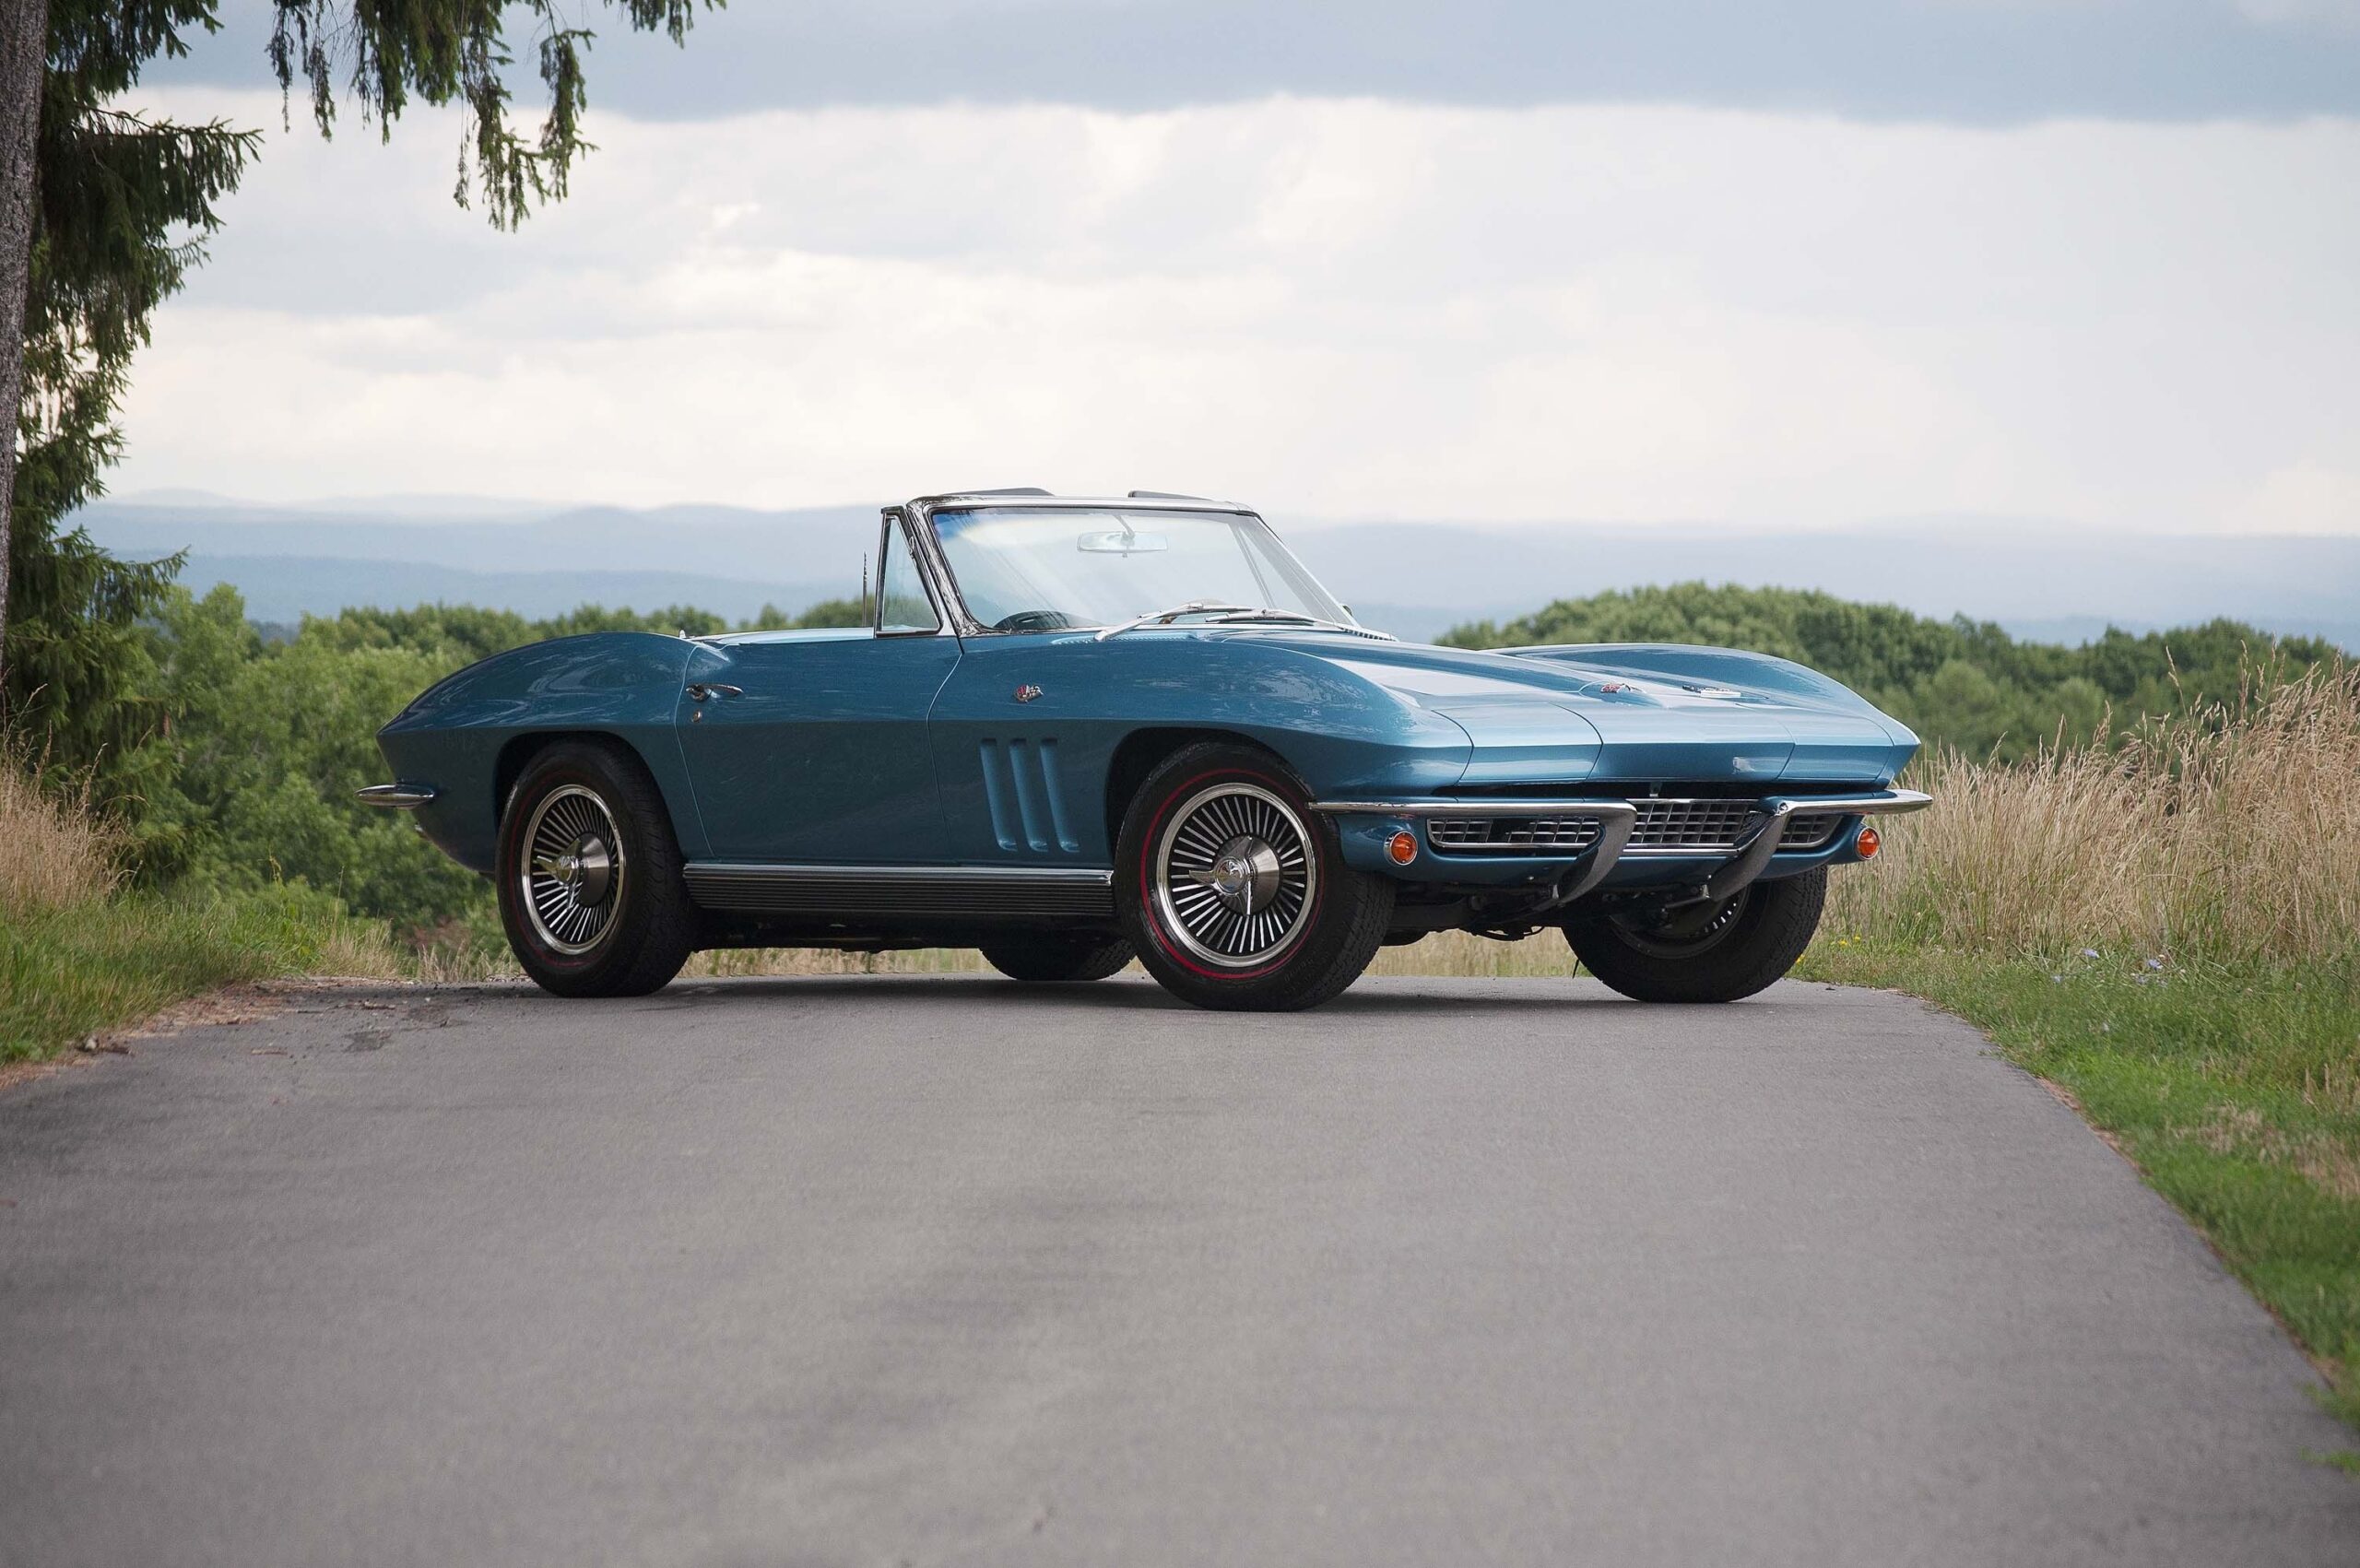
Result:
[[1704, 952], [1236, 892], [1057, 961], [589, 875]]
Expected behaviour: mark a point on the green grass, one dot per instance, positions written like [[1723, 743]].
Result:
[[67, 974], [2236, 1094]]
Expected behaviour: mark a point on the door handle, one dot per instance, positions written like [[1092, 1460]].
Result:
[[699, 691]]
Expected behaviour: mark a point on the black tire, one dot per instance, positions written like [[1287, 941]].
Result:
[[1058, 961], [1216, 799], [624, 936], [1709, 954]]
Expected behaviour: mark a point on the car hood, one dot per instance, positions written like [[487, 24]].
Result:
[[1633, 710]]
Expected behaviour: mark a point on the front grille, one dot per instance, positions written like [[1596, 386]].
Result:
[[1512, 835], [1811, 832], [1703, 825], [1699, 825]]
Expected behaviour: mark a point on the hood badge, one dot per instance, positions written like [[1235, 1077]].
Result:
[[1027, 693]]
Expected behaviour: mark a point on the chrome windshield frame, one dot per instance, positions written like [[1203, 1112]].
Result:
[[935, 566], [889, 519]]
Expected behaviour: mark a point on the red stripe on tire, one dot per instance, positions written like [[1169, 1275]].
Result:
[[1147, 904]]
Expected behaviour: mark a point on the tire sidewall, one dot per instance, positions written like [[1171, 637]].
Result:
[[1314, 950], [597, 769], [1764, 943]]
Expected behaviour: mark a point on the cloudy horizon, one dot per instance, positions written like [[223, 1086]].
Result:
[[2119, 305]]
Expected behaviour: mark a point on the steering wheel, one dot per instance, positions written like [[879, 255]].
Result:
[[1034, 620]]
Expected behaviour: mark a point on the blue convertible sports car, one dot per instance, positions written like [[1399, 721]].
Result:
[[1076, 731]]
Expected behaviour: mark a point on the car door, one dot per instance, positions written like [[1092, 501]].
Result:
[[1023, 731], [809, 748]]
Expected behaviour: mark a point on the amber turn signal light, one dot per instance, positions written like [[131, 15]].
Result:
[[1867, 843], [1403, 847]]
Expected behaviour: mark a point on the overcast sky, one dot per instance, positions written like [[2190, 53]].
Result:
[[2088, 262]]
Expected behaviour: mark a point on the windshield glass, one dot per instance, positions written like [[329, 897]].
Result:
[[1041, 569]]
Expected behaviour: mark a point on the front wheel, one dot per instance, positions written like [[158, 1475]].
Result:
[[590, 887], [1704, 952], [1236, 892]]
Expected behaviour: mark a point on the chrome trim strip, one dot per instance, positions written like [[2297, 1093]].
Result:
[[967, 876], [396, 797], [1518, 806], [889, 896], [962, 501], [1884, 803]]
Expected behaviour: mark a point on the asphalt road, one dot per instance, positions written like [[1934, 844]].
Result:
[[880, 1271]]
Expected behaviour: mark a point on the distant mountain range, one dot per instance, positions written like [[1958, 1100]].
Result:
[[1414, 579]]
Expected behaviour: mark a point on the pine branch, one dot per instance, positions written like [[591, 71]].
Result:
[[456, 51]]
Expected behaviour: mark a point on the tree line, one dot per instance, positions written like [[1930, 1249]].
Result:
[[232, 757], [251, 748]]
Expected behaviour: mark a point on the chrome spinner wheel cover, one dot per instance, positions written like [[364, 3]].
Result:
[[575, 870], [1234, 875]]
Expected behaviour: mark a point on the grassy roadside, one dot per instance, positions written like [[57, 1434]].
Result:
[[80, 954], [67, 972], [2236, 1092]]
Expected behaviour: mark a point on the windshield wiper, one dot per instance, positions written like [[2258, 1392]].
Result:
[[1165, 618], [1295, 617], [1230, 615]]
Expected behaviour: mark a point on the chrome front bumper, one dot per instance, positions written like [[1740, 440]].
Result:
[[1754, 845]]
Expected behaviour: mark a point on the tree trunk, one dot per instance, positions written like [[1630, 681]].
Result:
[[24, 62]]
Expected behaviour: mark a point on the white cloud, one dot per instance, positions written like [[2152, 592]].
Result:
[[1330, 307]]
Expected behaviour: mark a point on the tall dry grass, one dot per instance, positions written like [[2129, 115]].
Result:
[[54, 851], [2229, 834]]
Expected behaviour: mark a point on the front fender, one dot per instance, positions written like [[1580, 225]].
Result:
[[1340, 731], [621, 684]]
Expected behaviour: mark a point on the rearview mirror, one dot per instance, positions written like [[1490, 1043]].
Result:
[[1123, 543]]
